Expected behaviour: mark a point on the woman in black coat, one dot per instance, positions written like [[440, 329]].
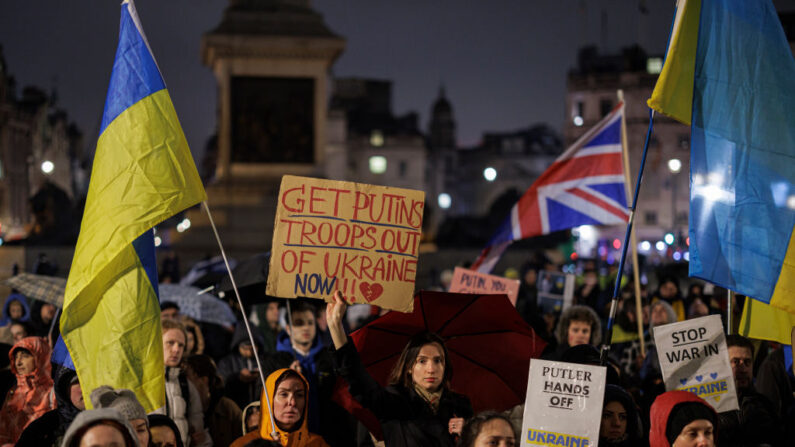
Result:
[[417, 408]]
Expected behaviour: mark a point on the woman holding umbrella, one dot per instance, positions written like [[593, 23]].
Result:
[[417, 408]]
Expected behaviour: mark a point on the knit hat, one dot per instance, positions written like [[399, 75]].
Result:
[[89, 417], [683, 414], [124, 401]]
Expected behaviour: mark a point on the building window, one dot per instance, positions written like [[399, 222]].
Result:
[[377, 138], [605, 106], [651, 217], [377, 164], [402, 168], [654, 65]]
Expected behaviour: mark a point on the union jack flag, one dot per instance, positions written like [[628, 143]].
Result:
[[584, 186]]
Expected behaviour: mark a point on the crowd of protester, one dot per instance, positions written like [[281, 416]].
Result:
[[215, 396]]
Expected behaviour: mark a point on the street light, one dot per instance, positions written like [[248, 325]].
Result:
[[445, 200], [490, 174], [674, 165]]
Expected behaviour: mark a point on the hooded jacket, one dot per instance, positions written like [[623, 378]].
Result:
[[33, 394], [89, 417], [49, 429], [6, 319], [230, 366], [297, 438], [317, 367], [661, 411]]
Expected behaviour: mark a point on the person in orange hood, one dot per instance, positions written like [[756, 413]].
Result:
[[682, 419], [287, 390], [33, 394]]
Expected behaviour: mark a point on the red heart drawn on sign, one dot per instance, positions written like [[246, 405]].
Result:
[[371, 292]]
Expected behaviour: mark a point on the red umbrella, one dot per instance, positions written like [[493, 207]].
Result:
[[490, 346]]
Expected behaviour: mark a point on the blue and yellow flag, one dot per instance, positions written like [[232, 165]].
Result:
[[143, 173], [732, 60]]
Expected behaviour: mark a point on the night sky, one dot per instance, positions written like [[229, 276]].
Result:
[[503, 62]]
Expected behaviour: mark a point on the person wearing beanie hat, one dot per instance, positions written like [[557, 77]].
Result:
[[105, 426], [682, 419], [125, 402]]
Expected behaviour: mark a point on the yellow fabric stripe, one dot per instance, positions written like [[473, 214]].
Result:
[[765, 322], [673, 92], [143, 173], [121, 344], [784, 293]]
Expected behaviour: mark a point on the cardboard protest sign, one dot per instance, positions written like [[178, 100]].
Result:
[[470, 281], [555, 291], [361, 239], [564, 404], [694, 357]]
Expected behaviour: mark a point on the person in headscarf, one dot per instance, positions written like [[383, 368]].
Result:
[[33, 394], [287, 393]]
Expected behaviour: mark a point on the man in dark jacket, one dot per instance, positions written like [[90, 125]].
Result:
[[756, 422], [49, 429]]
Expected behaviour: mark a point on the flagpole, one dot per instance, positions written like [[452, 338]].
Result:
[[633, 235], [729, 299], [616, 295], [274, 433]]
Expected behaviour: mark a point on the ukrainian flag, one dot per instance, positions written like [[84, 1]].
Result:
[[730, 74], [143, 173]]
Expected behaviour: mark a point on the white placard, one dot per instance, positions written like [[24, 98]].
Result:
[[564, 404], [694, 357]]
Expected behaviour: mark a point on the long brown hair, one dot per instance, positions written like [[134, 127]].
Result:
[[401, 373]]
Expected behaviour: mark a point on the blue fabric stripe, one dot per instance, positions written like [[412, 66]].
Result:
[[562, 217], [144, 246], [504, 232], [742, 147], [615, 191], [60, 355], [609, 135], [135, 74]]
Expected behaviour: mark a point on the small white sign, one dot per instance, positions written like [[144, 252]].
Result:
[[564, 404], [694, 357]]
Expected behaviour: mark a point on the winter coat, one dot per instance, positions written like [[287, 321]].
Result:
[[222, 419], [755, 423], [297, 438], [32, 396], [186, 413], [661, 410], [230, 366], [406, 418], [6, 320], [48, 430]]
